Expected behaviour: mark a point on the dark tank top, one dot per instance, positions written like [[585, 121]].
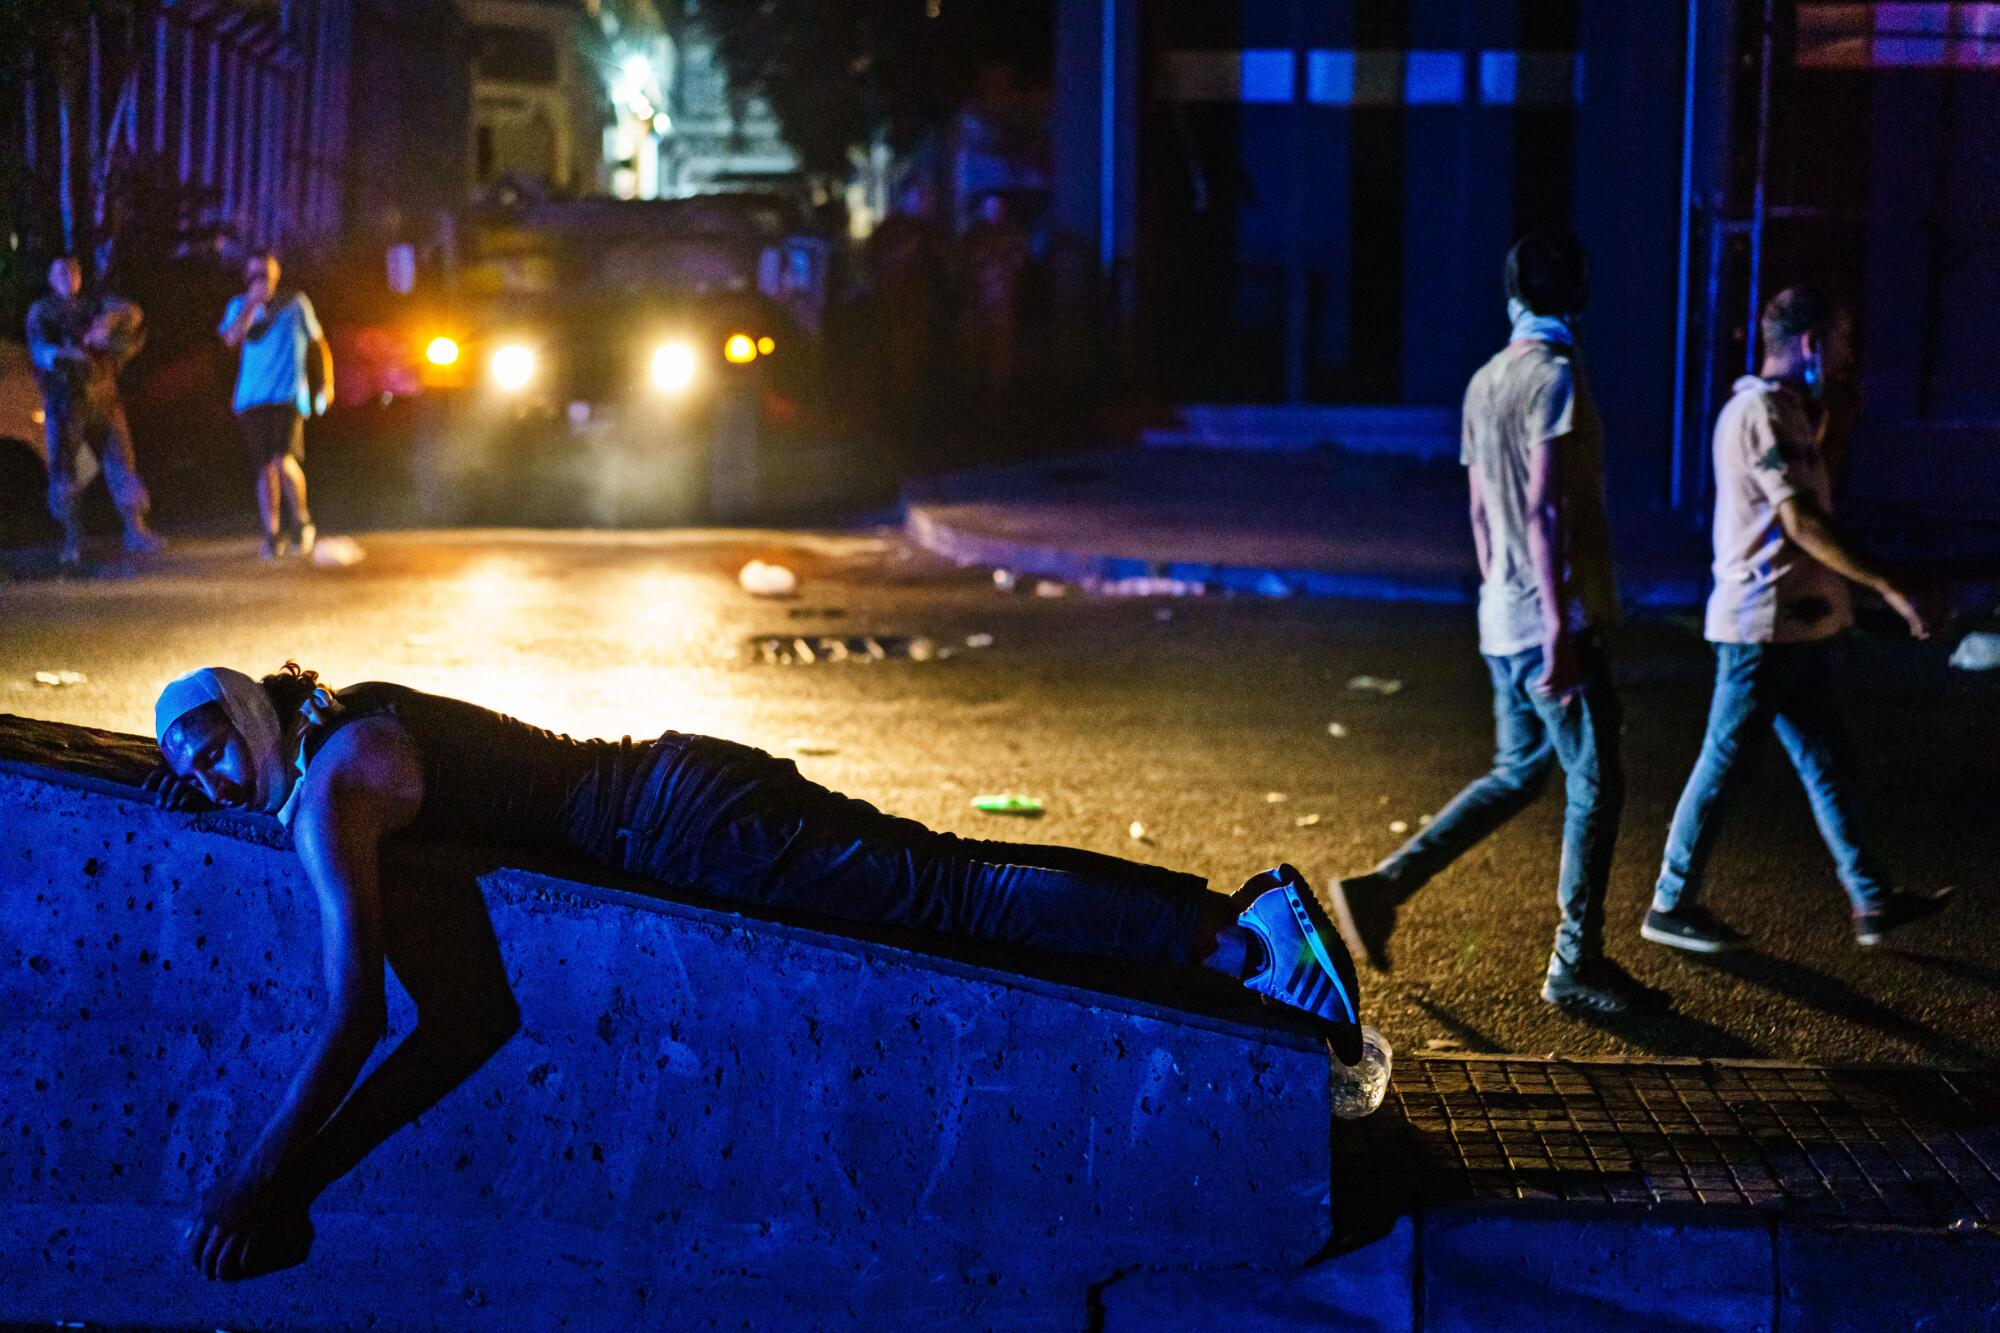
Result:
[[487, 777]]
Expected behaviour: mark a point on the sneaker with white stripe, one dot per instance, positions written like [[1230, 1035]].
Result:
[[1306, 965]]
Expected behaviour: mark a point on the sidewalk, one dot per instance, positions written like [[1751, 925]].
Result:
[[1319, 522], [1501, 1191]]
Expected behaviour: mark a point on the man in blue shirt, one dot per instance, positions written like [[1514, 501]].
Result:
[[275, 329]]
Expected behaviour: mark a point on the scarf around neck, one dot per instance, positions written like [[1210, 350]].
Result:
[[1531, 327]]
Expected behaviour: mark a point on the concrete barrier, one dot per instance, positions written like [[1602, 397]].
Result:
[[1861, 1278], [1511, 1265], [1370, 1289], [707, 1120]]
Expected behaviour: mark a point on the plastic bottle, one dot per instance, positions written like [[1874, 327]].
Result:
[[1359, 1090]]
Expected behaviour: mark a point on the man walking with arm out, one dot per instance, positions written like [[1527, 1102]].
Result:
[[275, 331], [1781, 574], [1533, 450]]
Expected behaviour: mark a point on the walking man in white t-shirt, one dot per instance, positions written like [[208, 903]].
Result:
[[276, 330], [1533, 448], [1781, 574]]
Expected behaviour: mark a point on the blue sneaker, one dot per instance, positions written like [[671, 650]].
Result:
[[1306, 965]]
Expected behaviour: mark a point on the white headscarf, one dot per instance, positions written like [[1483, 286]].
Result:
[[250, 712]]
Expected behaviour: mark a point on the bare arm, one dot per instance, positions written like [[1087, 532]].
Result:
[[1482, 546], [444, 951], [325, 353], [1812, 529], [364, 785], [1548, 542], [238, 329]]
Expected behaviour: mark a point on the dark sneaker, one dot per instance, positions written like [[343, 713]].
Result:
[[1899, 910], [1693, 928], [142, 540], [1597, 985], [1365, 910], [1305, 965]]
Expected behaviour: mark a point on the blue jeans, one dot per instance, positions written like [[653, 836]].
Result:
[[1789, 687], [1533, 734]]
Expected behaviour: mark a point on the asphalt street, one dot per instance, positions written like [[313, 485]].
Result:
[[1192, 732]]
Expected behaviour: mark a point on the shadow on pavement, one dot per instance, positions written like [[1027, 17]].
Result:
[[1832, 996], [1472, 1038], [1986, 977], [1667, 1031]]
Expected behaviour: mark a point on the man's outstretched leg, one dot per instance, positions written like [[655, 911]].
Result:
[[1522, 756], [1750, 680], [1810, 730]]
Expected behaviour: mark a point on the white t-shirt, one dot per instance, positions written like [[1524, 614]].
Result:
[[1767, 589], [1533, 392]]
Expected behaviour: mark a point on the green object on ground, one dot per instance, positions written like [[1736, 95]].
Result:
[[1007, 803]]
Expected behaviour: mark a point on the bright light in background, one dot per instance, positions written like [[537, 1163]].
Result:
[[441, 352], [513, 366], [740, 349], [638, 70], [766, 345], [673, 366]]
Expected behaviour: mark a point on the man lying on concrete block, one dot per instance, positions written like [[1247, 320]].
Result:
[[346, 770]]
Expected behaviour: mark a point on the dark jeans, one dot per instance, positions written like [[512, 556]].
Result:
[[1532, 735], [100, 426], [1787, 686], [734, 822]]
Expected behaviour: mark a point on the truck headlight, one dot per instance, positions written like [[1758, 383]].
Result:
[[513, 366], [673, 366]]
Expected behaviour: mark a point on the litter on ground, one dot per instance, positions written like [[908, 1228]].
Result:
[[59, 679], [337, 553], [1008, 803], [761, 579], [1376, 684], [1139, 586], [1977, 651]]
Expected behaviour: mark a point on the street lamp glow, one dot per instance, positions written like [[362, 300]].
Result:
[[740, 349], [638, 71], [513, 366], [673, 366], [766, 345], [442, 351]]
